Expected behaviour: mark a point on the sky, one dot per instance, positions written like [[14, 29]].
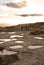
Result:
[[7, 14]]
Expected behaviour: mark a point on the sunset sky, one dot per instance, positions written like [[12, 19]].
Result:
[[7, 14]]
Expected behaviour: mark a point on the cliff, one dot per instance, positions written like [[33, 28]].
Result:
[[34, 27]]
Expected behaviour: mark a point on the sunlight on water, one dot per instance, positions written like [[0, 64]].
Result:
[[38, 38], [34, 47]]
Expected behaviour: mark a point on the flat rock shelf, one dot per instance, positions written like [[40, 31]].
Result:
[[21, 49]]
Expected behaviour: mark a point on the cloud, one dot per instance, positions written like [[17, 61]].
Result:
[[16, 5], [25, 15]]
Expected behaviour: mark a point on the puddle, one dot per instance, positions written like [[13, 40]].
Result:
[[11, 32], [5, 52], [1, 42], [19, 42], [34, 47], [16, 47], [38, 38], [13, 36], [21, 34], [13, 39], [2, 32], [5, 40]]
